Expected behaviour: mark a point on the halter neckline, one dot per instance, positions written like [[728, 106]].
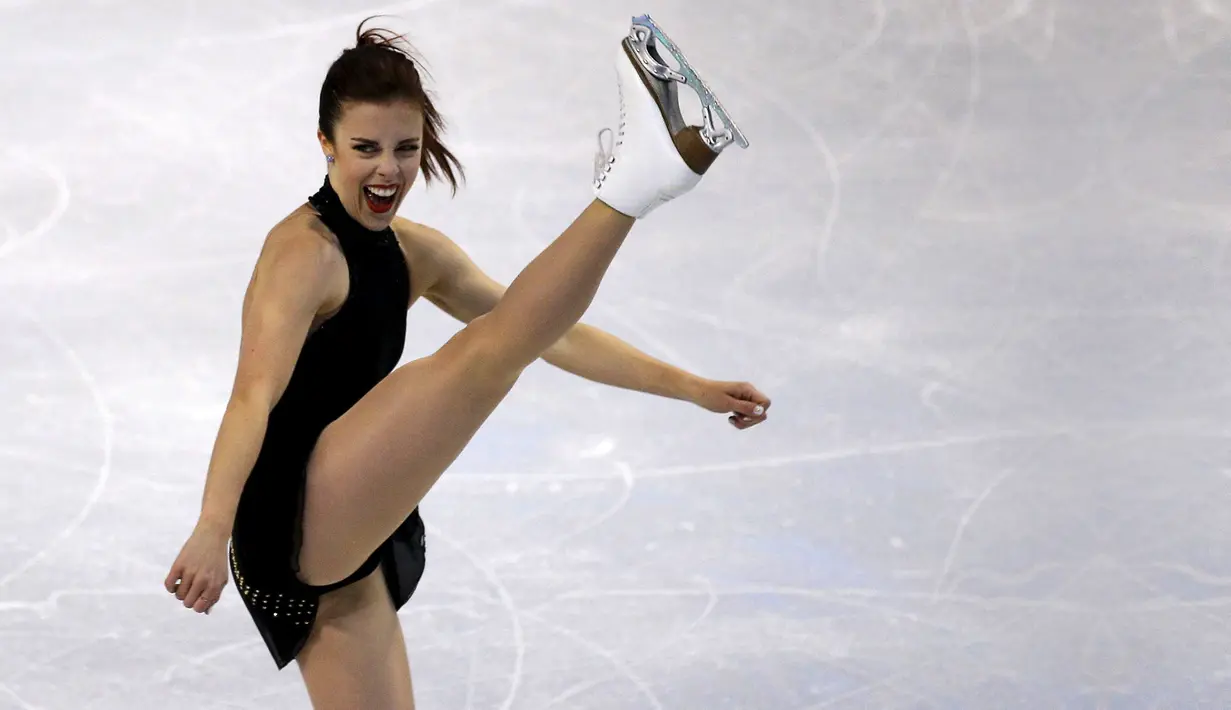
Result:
[[331, 209]]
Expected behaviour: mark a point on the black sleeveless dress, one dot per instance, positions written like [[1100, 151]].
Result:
[[339, 363]]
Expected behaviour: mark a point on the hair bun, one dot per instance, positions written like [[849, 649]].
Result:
[[375, 36]]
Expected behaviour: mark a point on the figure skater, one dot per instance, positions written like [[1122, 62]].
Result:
[[325, 449]]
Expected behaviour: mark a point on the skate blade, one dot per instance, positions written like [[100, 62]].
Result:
[[643, 30]]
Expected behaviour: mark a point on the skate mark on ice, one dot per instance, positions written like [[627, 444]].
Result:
[[1083, 188], [966, 123], [1164, 601], [853, 452], [905, 369], [869, 450], [1003, 580], [824, 238], [907, 100], [137, 268], [967, 516], [21, 702], [1214, 10], [644, 655], [1194, 574], [870, 39], [1170, 31], [108, 435], [1041, 52], [472, 675], [1014, 12], [880, 603], [198, 660], [665, 349], [58, 210], [625, 473], [48, 606], [1199, 14], [1161, 604], [283, 30], [864, 598], [506, 601], [708, 319], [1209, 214], [23, 456], [606, 654], [522, 225]]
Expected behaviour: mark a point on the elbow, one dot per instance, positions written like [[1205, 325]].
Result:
[[559, 354], [252, 400]]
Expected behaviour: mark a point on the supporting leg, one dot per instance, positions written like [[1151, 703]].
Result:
[[356, 655]]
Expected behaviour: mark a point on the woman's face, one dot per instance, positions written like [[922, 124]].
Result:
[[377, 150]]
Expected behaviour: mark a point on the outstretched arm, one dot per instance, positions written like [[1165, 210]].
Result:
[[461, 289], [601, 357]]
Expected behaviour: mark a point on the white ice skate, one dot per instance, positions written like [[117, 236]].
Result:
[[657, 156]]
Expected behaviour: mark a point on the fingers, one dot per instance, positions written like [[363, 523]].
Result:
[[203, 595], [198, 588], [741, 422], [749, 406], [745, 390], [746, 408], [197, 591], [173, 577], [183, 585], [207, 601]]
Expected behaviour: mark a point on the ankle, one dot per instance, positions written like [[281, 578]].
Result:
[[604, 211]]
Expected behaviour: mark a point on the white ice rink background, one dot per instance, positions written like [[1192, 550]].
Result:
[[976, 254]]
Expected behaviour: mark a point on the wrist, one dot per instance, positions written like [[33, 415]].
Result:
[[687, 386], [214, 525]]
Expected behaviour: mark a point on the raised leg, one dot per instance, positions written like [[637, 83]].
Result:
[[372, 466], [356, 655]]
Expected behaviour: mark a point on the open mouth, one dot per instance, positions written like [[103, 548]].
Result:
[[380, 198]]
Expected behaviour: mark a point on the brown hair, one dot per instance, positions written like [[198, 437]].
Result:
[[382, 68]]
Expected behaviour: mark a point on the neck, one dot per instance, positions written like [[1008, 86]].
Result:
[[329, 199]]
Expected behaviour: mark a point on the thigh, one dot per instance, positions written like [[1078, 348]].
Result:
[[373, 465], [356, 655]]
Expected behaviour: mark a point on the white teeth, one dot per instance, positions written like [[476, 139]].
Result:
[[383, 191]]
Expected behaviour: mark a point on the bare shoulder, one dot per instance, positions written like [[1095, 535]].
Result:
[[427, 249], [301, 252], [420, 237], [447, 276], [302, 238]]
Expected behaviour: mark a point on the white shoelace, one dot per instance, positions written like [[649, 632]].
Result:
[[605, 155]]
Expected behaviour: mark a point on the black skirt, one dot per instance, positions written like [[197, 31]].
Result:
[[284, 608]]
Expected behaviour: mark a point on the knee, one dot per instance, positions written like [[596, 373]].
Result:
[[353, 598], [485, 355]]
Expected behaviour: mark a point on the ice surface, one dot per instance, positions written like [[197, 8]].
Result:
[[976, 254]]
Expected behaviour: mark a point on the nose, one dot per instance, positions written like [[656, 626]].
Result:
[[387, 168]]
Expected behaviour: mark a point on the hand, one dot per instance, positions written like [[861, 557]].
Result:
[[748, 406], [199, 573]]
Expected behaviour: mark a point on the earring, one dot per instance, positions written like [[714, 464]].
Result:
[[329, 159]]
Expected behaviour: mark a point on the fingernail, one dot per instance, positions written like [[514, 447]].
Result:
[[759, 410]]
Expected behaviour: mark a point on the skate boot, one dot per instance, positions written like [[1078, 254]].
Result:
[[656, 156]]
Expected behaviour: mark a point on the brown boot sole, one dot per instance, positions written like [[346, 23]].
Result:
[[687, 139]]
